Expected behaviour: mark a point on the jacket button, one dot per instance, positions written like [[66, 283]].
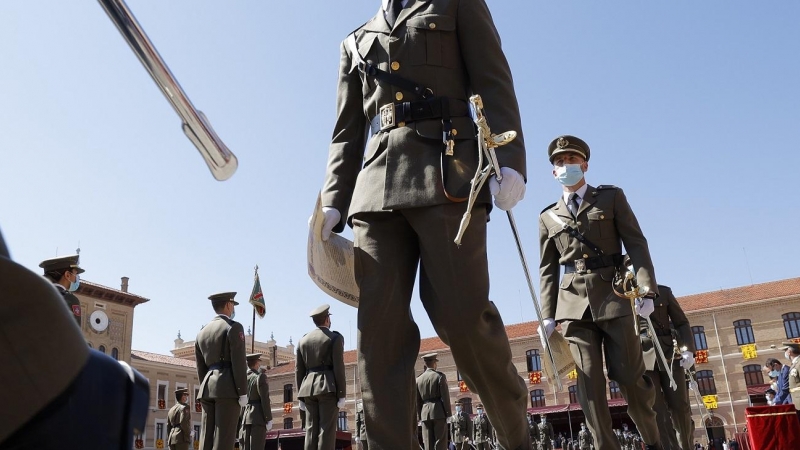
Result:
[[398, 96], [589, 271], [432, 26], [602, 216], [585, 255], [395, 65]]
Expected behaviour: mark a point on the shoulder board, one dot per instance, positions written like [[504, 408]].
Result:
[[336, 333], [606, 186], [548, 207]]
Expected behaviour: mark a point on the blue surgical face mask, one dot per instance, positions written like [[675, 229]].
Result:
[[774, 374], [233, 314], [75, 284], [458, 409], [569, 174]]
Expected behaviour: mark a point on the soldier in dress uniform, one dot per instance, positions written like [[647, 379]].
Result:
[[582, 234], [65, 274], [533, 432], [222, 371], [673, 410], [792, 353], [361, 427], [399, 169], [460, 427], [257, 415], [179, 422], [319, 371], [545, 433], [481, 429], [433, 405], [585, 438]]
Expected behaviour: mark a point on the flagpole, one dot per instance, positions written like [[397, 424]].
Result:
[[253, 336]]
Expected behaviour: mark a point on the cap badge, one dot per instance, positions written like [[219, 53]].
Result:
[[562, 143]]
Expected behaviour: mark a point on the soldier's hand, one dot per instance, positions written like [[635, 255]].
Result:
[[548, 326], [508, 192], [340, 403], [243, 400], [332, 217], [687, 360], [644, 306], [269, 425], [302, 405], [693, 385]]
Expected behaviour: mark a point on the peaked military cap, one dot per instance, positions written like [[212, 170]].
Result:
[[430, 357], [479, 405], [253, 356], [61, 263], [793, 345], [567, 143], [460, 401], [181, 391], [323, 310], [222, 296]]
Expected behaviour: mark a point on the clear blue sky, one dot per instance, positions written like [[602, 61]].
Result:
[[692, 107]]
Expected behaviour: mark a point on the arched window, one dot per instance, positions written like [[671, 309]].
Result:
[[744, 332], [288, 393], [699, 338], [753, 375], [102, 349], [705, 382], [714, 422], [573, 393], [613, 388], [537, 398], [115, 353], [791, 323], [534, 360], [287, 423]]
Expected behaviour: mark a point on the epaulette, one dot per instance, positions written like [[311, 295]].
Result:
[[606, 186], [548, 207]]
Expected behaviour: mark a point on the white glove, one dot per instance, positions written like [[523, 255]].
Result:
[[191, 433], [269, 425], [549, 326], [508, 192], [687, 360], [332, 217], [302, 405], [242, 401], [693, 385], [340, 403], [644, 306]]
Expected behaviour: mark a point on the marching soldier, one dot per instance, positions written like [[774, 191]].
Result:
[[65, 273], [179, 422], [222, 371], [585, 438], [482, 430], [461, 427], [545, 433], [361, 427], [792, 353], [583, 233], [320, 374], [433, 405], [257, 415], [399, 169], [673, 410], [533, 432]]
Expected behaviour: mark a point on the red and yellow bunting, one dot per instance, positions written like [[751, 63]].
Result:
[[573, 374], [535, 377], [749, 351], [701, 357], [159, 443], [710, 401], [162, 404], [462, 386], [287, 408]]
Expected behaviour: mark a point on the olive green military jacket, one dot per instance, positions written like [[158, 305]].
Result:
[[482, 429], [794, 383], [258, 410], [460, 427], [433, 396], [585, 439], [546, 431], [667, 314], [449, 46], [320, 364], [179, 423], [604, 218], [221, 342], [72, 301]]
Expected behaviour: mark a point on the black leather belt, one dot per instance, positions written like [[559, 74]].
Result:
[[584, 265], [320, 368], [220, 365], [393, 115]]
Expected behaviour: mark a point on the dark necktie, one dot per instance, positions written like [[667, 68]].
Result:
[[393, 11], [572, 205]]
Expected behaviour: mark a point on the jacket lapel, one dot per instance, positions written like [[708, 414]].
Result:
[[588, 200], [411, 8], [378, 24], [561, 209]]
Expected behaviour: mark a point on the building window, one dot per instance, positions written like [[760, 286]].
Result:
[[537, 398], [160, 428], [573, 393], [534, 360], [613, 388], [791, 323], [102, 349], [288, 393], [115, 353], [753, 375], [196, 433], [466, 405], [287, 423], [744, 332], [342, 421], [700, 338], [705, 382], [161, 394], [458, 375]]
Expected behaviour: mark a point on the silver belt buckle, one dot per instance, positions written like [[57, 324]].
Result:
[[580, 266], [387, 116]]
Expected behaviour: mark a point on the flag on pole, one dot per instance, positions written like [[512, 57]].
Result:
[[257, 298]]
